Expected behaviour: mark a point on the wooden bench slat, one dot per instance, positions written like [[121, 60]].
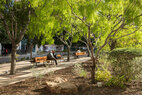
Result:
[[42, 59]]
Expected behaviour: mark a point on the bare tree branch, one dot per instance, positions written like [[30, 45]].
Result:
[[62, 40]]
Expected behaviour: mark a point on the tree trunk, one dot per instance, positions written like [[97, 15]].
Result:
[[89, 52], [94, 62], [13, 59], [68, 56], [112, 44], [31, 48], [94, 59]]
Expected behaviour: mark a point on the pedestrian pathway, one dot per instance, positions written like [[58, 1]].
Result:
[[25, 70], [7, 59]]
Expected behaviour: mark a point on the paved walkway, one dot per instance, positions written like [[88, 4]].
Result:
[[7, 59], [25, 70]]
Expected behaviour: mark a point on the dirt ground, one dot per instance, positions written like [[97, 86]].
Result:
[[37, 86]]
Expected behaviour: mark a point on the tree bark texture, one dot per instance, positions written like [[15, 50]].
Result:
[[94, 62], [68, 56], [112, 44], [13, 59], [31, 48]]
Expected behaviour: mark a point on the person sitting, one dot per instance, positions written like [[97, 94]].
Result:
[[51, 56], [58, 56], [78, 51]]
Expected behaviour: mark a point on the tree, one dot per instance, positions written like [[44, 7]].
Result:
[[59, 21], [31, 42], [3, 36], [43, 25], [66, 38], [116, 15], [131, 39], [66, 33], [15, 16]]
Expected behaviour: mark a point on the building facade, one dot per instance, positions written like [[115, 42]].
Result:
[[54, 47]]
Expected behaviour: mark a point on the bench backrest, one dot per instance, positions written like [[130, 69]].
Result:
[[43, 59], [40, 59], [80, 53]]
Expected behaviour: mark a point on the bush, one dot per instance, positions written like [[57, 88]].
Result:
[[22, 59], [125, 53], [79, 70], [137, 68], [27, 58], [118, 81], [103, 75], [122, 62], [102, 72]]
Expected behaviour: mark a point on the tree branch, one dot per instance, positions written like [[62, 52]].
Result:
[[12, 29], [24, 29], [7, 29], [65, 43], [128, 34], [76, 14], [86, 45], [109, 35], [15, 30]]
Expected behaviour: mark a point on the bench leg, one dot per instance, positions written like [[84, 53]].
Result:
[[44, 64], [34, 64]]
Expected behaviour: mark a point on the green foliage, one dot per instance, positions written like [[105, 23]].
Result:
[[79, 70], [3, 36], [22, 59], [134, 40], [125, 53], [41, 24], [83, 73], [103, 75], [39, 73], [117, 81], [136, 68], [123, 63]]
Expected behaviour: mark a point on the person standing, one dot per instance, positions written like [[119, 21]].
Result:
[[6, 52]]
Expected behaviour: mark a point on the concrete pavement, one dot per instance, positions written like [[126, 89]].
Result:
[[6, 59], [25, 70]]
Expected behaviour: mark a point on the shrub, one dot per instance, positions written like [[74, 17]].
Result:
[[79, 70], [103, 75], [39, 73], [137, 68], [27, 58], [122, 61], [118, 81], [125, 53], [22, 59]]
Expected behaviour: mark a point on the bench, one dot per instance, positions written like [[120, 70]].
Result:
[[39, 60], [43, 59], [77, 54]]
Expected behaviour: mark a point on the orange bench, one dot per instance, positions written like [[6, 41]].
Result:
[[77, 54], [39, 60], [43, 59]]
